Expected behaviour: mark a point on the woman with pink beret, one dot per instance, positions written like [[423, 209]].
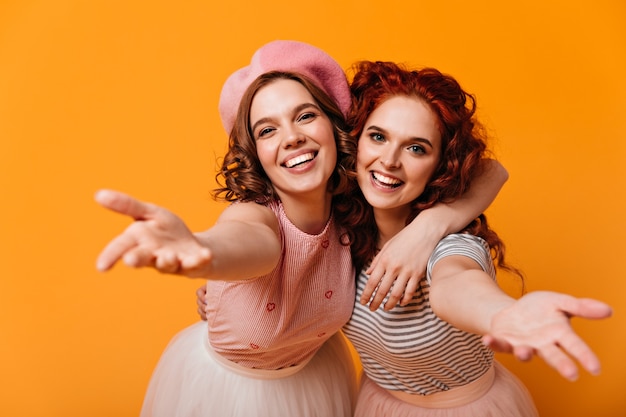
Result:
[[278, 262]]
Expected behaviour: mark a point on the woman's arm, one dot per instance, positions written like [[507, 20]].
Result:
[[243, 243], [464, 295], [402, 260], [537, 324]]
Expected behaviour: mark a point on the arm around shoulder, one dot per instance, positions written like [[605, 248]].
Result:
[[453, 217]]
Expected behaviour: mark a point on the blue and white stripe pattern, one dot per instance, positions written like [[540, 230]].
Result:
[[409, 348]]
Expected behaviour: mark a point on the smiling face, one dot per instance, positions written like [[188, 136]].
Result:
[[294, 139], [398, 151]]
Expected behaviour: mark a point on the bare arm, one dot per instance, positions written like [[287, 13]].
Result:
[[242, 244], [402, 260], [536, 324], [464, 295]]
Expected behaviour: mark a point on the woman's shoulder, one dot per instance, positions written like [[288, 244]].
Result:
[[251, 212], [463, 244], [462, 239]]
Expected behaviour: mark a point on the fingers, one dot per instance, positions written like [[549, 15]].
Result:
[[200, 294], [577, 307], [558, 360], [126, 248], [373, 265], [122, 246], [410, 290], [202, 256], [382, 289], [590, 309], [497, 345], [377, 274], [400, 287], [569, 343], [201, 301], [117, 248], [167, 262], [381, 292], [192, 264], [523, 353], [575, 347], [370, 287], [125, 204], [399, 290], [560, 352], [201, 305]]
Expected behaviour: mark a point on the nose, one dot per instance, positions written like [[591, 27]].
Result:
[[390, 159], [293, 137]]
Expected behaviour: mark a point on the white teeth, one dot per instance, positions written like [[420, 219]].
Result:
[[385, 180], [299, 159]]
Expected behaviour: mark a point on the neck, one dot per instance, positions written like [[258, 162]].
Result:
[[309, 214], [389, 223]]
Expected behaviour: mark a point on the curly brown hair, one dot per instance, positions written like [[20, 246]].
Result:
[[463, 144], [241, 176]]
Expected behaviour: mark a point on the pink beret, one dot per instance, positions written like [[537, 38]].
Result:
[[291, 56]]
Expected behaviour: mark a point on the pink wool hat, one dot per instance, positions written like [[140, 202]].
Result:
[[291, 56]]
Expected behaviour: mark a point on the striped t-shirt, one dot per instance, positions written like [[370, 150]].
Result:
[[409, 348]]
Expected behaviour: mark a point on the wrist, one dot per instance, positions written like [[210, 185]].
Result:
[[499, 311], [433, 223]]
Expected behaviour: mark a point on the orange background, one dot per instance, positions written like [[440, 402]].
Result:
[[123, 94]]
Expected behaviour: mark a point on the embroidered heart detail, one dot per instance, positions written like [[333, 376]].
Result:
[[253, 346], [270, 306], [325, 244], [328, 294]]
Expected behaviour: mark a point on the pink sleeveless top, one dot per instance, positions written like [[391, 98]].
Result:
[[281, 319]]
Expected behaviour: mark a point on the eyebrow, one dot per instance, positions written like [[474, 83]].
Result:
[[414, 138], [295, 110]]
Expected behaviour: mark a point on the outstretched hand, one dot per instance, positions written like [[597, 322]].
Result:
[[539, 324], [157, 238]]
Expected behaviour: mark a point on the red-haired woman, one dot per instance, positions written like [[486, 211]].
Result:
[[419, 144]]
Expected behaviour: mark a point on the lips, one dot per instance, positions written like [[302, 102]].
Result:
[[300, 159], [385, 181]]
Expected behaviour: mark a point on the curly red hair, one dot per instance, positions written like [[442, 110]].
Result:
[[463, 144]]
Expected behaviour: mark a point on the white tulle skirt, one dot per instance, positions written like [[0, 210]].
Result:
[[190, 380]]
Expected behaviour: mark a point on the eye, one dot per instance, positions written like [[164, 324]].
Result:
[[416, 149], [377, 137], [264, 132], [306, 116]]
